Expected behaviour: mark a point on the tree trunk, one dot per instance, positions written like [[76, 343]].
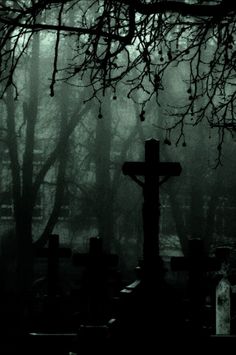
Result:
[[24, 213], [61, 171], [104, 202]]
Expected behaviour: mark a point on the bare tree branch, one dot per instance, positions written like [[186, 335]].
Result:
[[138, 43]]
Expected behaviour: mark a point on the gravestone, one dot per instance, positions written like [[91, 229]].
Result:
[[197, 264], [95, 255], [223, 315], [223, 294], [98, 267], [52, 254], [83, 336], [49, 310]]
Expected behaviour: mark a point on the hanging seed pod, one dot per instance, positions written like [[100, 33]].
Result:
[[157, 78], [169, 54], [142, 116], [230, 39], [167, 141]]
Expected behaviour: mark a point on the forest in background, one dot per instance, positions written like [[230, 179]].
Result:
[[76, 103]]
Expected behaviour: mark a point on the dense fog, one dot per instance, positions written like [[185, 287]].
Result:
[[98, 237]]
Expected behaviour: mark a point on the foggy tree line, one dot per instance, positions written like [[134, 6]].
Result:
[[71, 136], [69, 68]]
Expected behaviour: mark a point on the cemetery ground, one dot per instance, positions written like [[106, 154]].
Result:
[[98, 307]]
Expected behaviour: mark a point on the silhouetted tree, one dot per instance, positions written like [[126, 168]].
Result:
[[111, 38], [25, 179]]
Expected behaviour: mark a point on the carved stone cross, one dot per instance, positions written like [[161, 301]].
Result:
[[151, 169]]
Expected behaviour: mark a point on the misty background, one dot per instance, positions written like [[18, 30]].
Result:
[[80, 143], [76, 105]]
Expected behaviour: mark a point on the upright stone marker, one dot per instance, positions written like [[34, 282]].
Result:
[[223, 307], [223, 294]]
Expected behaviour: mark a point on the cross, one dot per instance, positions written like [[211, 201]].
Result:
[[52, 253], [96, 263], [95, 256], [151, 169], [197, 263]]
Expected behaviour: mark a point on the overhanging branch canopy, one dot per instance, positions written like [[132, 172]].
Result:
[[138, 43]]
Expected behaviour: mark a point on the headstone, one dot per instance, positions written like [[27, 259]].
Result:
[[49, 310], [52, 254], [223, 315], [98, 265], [95, 255], [197, 264], [223, 295]]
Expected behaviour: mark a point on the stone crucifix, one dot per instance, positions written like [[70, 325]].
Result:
[[151, 169]]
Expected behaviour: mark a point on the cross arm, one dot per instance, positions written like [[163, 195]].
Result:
[[143, 169]]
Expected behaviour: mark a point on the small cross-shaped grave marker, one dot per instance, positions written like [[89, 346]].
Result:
[[95, 256], [97, 264], [53, 253], [197, 264]]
